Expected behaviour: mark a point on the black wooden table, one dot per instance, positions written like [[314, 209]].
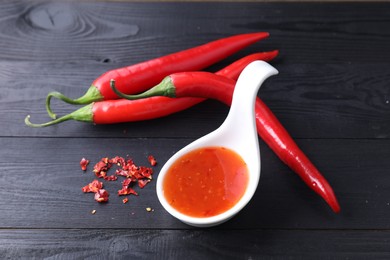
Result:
[[332, 95]]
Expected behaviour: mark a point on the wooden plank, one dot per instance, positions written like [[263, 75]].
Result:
[[41, 185], [199, 244], [98, 32]]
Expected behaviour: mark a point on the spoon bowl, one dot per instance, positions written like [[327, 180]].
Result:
[[237, 133]]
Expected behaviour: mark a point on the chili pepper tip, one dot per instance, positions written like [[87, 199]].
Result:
[[334, 204]]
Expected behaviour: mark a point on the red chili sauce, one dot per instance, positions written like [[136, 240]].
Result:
[[206, 182]]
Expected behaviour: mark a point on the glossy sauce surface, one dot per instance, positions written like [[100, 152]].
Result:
[[206, 182]]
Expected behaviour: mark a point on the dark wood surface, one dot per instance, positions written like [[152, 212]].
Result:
[[332, 95]]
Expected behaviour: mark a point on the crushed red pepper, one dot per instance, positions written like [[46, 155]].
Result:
[[120, 161], [142, 183], [152, 160], [126, 189], [100, 169], [133, 174], [83, 164], [94, 186], [101, 195], [111, 178]]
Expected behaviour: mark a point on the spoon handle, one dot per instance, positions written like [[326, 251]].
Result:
[[242, 112]]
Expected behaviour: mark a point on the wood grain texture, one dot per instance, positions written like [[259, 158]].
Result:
[[332, 94], [199, 244], [41, 188], [99, 32]]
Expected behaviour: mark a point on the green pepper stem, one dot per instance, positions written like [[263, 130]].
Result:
[[83, 114], [90, 96], [164, 88]]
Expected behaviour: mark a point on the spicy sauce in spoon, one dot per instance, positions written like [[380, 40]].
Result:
[[206, 181]]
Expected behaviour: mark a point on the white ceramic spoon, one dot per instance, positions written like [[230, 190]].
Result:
[[238, 133]]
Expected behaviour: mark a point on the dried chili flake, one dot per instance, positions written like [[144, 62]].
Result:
[[142, 183], [120, 161], [121, 172], [126, 191], [100, 166], [146, 172], [101, 195], [83, 164], [137, 175], [94, 186], [131, 168], [100, 169], [152, 160], [102, 174], [125, 200], [111, 178], [127, 182], [130, 162]]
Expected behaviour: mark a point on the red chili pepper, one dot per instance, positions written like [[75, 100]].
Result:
[[208, 85], [121, 110], [139, 77]]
